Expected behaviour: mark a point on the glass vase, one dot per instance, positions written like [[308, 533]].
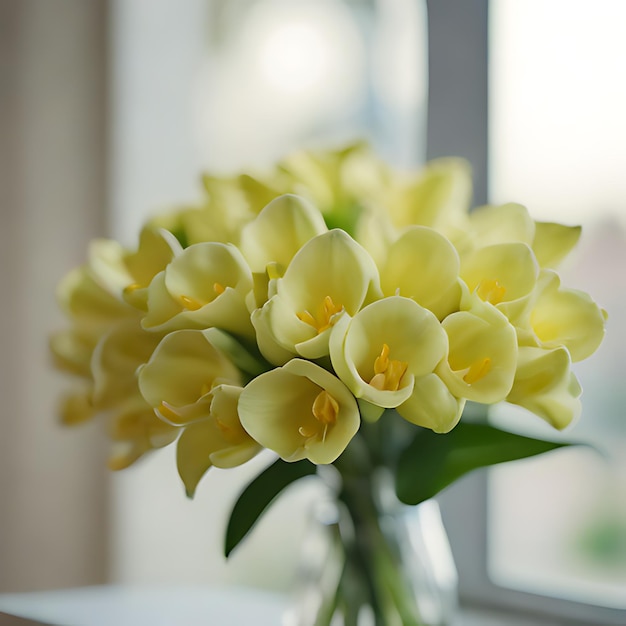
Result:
[[369, 560]]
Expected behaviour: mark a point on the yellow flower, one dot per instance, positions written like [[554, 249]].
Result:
[[553, 242], [503, 275], [279, 231], [511, 223], [432, 405], [300, 411], [105, 345], [135, 430], [437, 196], [506, 223], [381, 351], [128, 274], [220, 216], [93, 312], [219, 440], [375, 232], [178, 379], [545, 385], [205, 286], [329, 276], [482, 353], [115, 361], [132, 424], [339, 182], [92, 309], [424, 266], [566, 317]]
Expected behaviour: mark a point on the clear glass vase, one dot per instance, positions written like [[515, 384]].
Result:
[[369, 560]]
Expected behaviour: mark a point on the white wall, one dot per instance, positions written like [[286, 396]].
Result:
[[52, 480]]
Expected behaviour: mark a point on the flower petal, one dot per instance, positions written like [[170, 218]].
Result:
[[205, 286], [219, 441], [567, 317], [279, 231], [506, 223], [329, 276], [424, 266], [300, 411], [181, 372], [410, 336], [553, 242], [431, 405], [116, 359], [438, 196], [482, 355], [545, 385]]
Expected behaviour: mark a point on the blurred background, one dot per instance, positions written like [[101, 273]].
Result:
[[111, 110]]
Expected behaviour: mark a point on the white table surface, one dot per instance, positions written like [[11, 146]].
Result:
[[153, 606], [182, 606]]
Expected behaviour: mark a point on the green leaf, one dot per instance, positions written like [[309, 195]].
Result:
[[259, 494], [433, 461]]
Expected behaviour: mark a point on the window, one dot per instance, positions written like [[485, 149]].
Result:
[[559, 146], [557, 525]]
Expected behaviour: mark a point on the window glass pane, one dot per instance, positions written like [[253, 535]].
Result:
[[558, 145]]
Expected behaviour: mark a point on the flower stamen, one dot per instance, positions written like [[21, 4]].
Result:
[[306, 433], [326, 315], [190, 304], [324, 409], [388, 372]]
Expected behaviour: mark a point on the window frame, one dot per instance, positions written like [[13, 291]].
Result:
[[458, 124]]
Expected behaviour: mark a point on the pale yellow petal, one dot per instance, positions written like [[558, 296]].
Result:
[[506, 223], [545, 385], [116, 359], [279, 411], [424, 266], [438, 196], [501, 272], [329, 276], [553, 242], [182, 370], [77, 407], [218, 441], [334, 265], [279, 231], [396, 329], [482, 354], [205, 286], [567, 317], [431, 405]]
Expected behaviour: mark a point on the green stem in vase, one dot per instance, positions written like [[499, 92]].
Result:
[[374, 560]]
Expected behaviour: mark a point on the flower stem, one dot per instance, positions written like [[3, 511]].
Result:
[[372, 563]]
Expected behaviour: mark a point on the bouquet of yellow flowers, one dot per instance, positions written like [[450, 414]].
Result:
[[332, 310]]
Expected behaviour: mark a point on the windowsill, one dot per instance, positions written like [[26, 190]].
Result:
[[193, 606]]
